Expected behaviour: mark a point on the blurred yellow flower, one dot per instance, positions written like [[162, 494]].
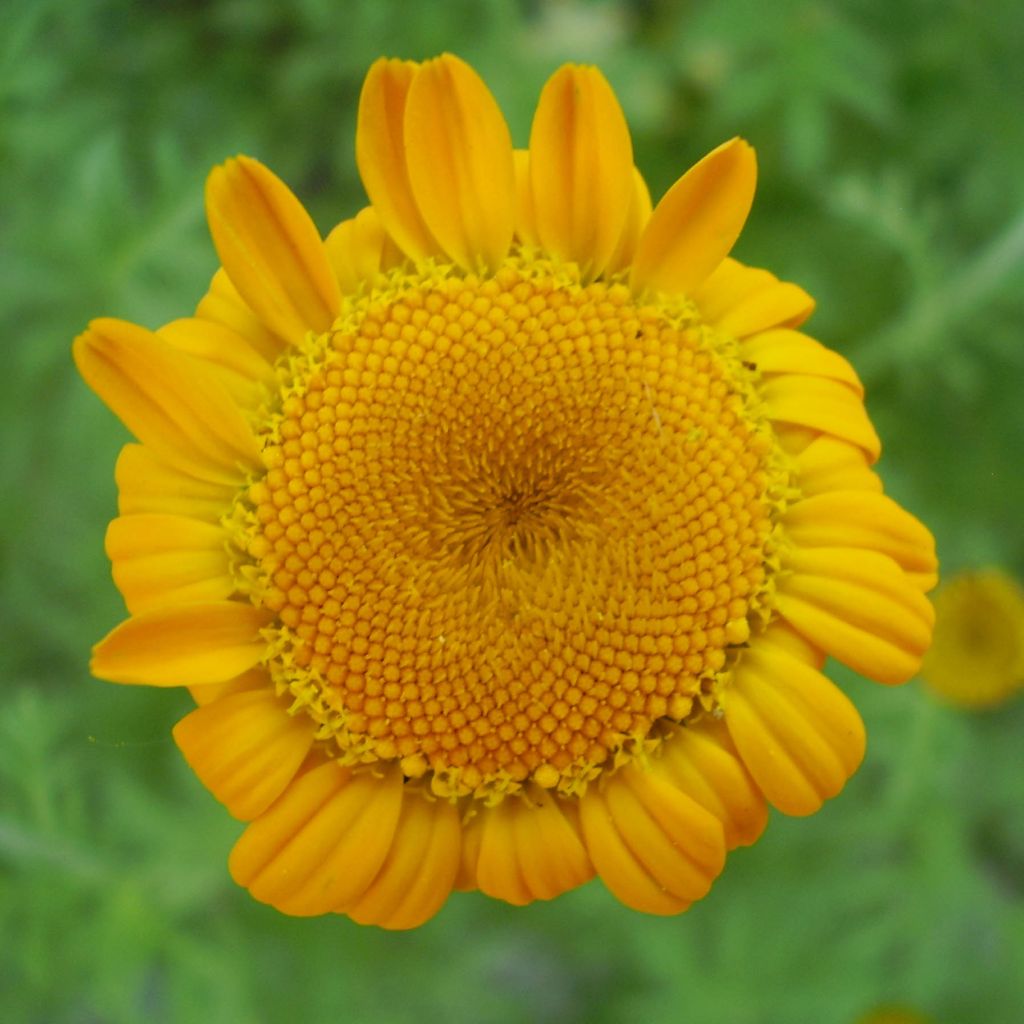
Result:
[[502, 535], [977, 657], [894, 1015]]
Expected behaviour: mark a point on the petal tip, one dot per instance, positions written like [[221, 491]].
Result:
[[697, 222]]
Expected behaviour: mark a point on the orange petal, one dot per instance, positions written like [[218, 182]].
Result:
[[529, 850], [245, 748], [581, 168], [381, 156], [655, 848], [147, 484], [184, 645], [271, 249], [701, 761], [169, 402], [799, 736], [161, 559], [862, 519], [786, 351], [697, 221], [741, 300], [459, 161], [321, 844], [828, 464], [223, 305], [419, 871], [823, 405], [860, 607]]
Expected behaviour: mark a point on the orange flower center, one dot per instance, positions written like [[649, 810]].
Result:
[[510, 524]]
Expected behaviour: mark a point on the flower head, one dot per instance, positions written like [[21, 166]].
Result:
[[977, 659], [500, 536], [894, 1015]]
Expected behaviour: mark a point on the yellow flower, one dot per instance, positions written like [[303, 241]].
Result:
[[894, 1015], [977, 659], [500, 537]]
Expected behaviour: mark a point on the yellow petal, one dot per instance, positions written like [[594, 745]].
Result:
[[701, 761], [695, 853], [697, 221], [786, 351], [530, 850], [860, 607], [741, 301], [381, 156], [162, 559], [271, 249], [526, 217], [793, 439], [459, 161], [356, 249], [655, 848], [184, 645], [828, 464], [318, 848], [781, 634], [823, 405], [497, 871], [245, 748], [799, 736], [625, 876], [862, 519], [223, 305], [169, 402], [636, 221], [147, 484], [419, 871], [234, 361], [551, 854], [273, 830], [252, 679], [728, 285], [581, 168], [784, 304], [472, 833]]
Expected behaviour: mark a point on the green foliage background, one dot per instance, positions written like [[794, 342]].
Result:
[[891, 146]]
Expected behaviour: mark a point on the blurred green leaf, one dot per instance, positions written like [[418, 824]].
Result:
[[891, 161]]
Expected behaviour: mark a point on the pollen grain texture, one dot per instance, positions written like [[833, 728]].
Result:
[[508, 524]]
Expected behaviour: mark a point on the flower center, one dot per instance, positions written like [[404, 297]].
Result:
[[510, 525]]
